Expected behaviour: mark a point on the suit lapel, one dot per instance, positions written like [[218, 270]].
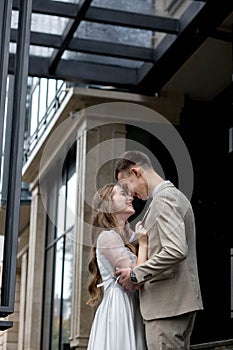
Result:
[[164, 185], [146, 213]]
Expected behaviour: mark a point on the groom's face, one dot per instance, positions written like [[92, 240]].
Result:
[[135, 180]]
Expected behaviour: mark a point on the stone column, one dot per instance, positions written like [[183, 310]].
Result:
[[35, 273], [22, 302]]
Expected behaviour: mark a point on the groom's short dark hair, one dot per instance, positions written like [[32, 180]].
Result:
[[129, 159]]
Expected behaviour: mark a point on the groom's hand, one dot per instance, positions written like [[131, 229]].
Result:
[[124, 280]]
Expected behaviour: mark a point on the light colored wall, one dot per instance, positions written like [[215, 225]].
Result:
[[35, 273]]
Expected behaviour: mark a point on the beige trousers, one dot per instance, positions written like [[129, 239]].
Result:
[[171, 333]]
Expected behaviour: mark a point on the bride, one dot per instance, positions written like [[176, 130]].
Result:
[[118, 323]]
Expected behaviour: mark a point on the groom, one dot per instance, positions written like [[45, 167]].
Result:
[[170, 293]]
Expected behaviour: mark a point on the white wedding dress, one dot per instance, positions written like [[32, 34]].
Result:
[[118, 324]]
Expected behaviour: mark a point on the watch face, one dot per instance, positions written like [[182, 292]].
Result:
[[133, 277]]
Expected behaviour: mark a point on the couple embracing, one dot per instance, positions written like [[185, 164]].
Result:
[[146, 279]]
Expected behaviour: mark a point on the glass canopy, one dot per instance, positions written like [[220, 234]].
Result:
[[127, 38]]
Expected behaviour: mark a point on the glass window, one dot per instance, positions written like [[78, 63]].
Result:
[[67, 293], [47, 305], [61, 211], [57, 296], [59, 257], [71, 198]]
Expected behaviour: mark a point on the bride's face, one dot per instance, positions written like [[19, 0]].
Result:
[[122, 201]]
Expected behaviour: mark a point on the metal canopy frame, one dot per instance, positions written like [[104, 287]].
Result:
[[68, 33], [182, 37]]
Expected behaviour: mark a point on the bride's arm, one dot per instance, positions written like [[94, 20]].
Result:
[[142, 251], [112, 247]]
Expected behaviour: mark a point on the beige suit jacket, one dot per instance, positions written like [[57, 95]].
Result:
[[170, 274]]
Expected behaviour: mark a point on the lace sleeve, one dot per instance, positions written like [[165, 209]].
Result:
[[112, 247]]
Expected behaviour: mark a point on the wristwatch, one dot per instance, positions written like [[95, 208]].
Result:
[[133, 277]]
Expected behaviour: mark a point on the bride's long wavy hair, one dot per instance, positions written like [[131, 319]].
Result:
[[102, 219]]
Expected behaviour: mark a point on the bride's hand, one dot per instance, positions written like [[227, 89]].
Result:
[[141, 233], [128, 229]]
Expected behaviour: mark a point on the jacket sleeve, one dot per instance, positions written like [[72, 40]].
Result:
[[170, 228]]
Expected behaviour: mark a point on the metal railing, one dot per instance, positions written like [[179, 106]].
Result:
[[32, 141]]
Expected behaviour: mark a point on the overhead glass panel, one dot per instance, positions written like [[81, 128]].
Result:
[[114, 34], [139, 6], [48, 24], [12, 48], [14, 19], [165, 8], [40, 51]]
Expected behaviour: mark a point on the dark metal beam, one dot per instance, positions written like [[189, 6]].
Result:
[[68, 33], [97, 47], [16, 159], [109, 16], [222, 35], [196, 26], [104, 48], [5, 325], [5, 23], [6, 160], [133, 20], [80, 71]]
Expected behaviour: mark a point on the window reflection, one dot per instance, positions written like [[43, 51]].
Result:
[[71, 197], [61, 210], [57, 298], [67, 293]]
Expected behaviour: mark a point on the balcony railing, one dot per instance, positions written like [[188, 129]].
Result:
[[32, 141]]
